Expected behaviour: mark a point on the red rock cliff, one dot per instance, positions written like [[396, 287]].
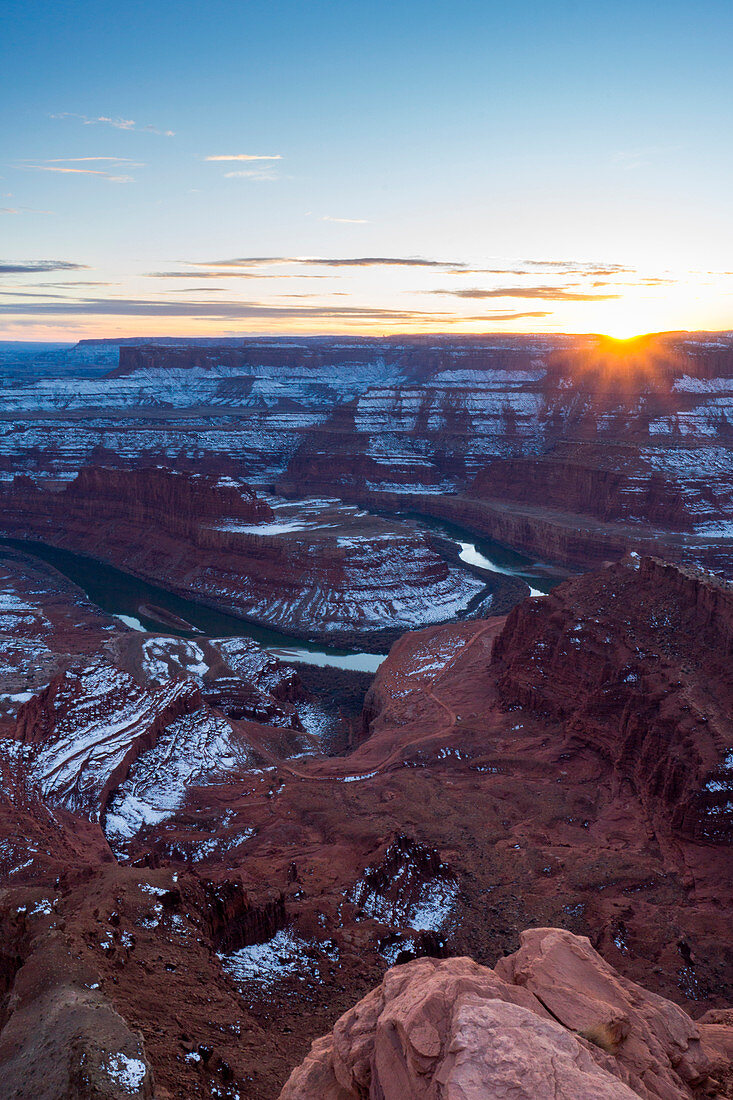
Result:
[[635, 662]]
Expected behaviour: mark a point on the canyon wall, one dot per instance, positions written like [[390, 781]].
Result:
[[578, 445], [319, 571], [626, 664]]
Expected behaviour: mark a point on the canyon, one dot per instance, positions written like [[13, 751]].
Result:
[[194, 876], [318, 569], [365, 719], [571, 449]]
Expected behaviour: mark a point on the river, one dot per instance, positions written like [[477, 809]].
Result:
[[135, 602]]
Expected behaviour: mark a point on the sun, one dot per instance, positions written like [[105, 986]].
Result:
[[623, 331], [626, 319], [614, 366]]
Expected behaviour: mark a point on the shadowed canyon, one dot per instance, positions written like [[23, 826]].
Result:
[[366, 718]]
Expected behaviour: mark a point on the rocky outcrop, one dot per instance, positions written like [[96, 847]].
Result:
[[85, 730], [235, 921], [635, 662], [65, 1039], [319, 571], [261, 888], [152, 497], [552, 1020], [609, 482]]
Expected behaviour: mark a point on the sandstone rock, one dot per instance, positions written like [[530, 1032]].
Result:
[[64, 1039], [459, 1031], [630, 670], [84, 731], [656, 1046], [318, 570]]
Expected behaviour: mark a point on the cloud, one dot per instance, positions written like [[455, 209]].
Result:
[[359, 261], [14, 293], [532, 268], [23, 210], [32, 266], [77, 160], [636, 158], [244, 156], [109, 176], [137, 307], [546, 293], [260, 174], [344, 221], [206, 275], [223, 273], [71, 283], [581, 268], [117, 123]]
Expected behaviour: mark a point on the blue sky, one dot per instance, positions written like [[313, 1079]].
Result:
[[564, 166]]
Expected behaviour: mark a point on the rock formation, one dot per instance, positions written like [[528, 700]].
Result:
[[237, 889], [640, 695], [320, 571], [575, 449], [551, 1020]]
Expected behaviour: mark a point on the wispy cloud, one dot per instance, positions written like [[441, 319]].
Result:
[[206, 275], [260, 174], [245, 156], [118, 123], [61, 165], [26, 267], [233, 273], [580, 267], [251, 311], [635, 158], [344, 221], [545, 293], [74, 160], [359, 261], [74, 283]]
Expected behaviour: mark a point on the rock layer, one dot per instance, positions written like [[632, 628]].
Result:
[[653, 696], [551, 1020], [575, 449], [320, 571]]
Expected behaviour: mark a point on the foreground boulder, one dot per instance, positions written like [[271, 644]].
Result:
[[552, 1020]]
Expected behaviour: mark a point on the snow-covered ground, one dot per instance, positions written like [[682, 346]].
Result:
[[196, 749]]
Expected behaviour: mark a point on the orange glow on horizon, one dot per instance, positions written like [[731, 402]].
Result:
[[608, 365]]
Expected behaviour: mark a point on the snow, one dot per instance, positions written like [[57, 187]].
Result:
[[163, 657], [434, 908], [44, 907], [100, 714], [199, 748], [262, 529], [132, 622], [430, 912], [261, 965], [314, 720], [127, 1073], [17, 697]]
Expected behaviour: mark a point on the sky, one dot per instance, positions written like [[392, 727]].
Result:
[[237, 167]]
